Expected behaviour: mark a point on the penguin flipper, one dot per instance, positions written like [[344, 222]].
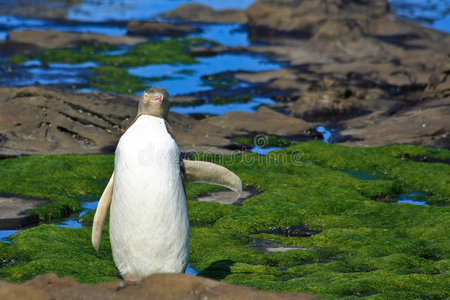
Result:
[[202, 171], [100, 214]]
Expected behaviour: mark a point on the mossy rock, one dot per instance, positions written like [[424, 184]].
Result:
[[362, 247]]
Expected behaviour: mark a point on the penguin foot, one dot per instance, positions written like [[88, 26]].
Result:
[[133, 279]]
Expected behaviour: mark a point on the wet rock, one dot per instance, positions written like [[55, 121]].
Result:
[[301, 18], [151, 28], [38, 9], [424, 124], [49, 39], [38, 120], [439, 82], [228, 197], [264, 120], [330, 105], [158, 286], [199, 13], [13, 211]]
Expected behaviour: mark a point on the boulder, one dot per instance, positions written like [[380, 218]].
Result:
[[49, 39], [151, 28], [439, 82], [192, 12]]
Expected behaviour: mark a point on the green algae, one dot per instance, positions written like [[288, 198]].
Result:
[[365, 248], [117, 80], [263, 141], [167, 51], [225, 100], [63, 179]]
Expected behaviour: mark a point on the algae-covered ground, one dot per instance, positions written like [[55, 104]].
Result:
[[362, 243]]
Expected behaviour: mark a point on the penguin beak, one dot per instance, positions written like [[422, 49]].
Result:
[[157, 98]]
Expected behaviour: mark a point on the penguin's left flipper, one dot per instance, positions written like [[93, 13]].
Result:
[[100, 214], [202, 171]]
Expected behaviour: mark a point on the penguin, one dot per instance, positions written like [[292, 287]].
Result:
[[149, 225]]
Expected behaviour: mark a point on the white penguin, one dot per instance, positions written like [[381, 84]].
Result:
[[149, 225]]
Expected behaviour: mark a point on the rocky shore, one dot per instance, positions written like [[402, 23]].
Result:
[[352, 66]]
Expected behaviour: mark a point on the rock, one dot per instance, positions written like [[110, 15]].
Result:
[[36, 120], [302, 18], [329, 105], [49, 39], [13, 211], [50, 9], [199, 13], [264, 120], [150, 28], [158, 286], [424, 124], [439, 82]]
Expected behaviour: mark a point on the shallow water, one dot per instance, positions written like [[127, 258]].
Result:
[[185, 79], [4, 234], [33, 72], [225, 34], [414, 198], [213, 109], [430, 13], [105, 10], [327, 134], [263, 151]]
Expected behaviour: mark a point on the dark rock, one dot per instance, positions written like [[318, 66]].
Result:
[[439, 82], [151, 28], [13, 211], [49, 39], [199, 13]]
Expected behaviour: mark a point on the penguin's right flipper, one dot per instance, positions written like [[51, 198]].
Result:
[[100, 214], [202, 171]]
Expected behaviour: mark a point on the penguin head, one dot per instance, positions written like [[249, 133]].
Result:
[[154, 102]]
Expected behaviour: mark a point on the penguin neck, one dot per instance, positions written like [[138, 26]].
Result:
[[152, 114]]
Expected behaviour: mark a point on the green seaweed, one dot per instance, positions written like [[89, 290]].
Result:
[[117, 80], [365, 247], [17, 59], [225, 100], [219, 81], [167, 51]]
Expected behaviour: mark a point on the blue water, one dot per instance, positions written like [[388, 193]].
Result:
[[431, 13], [212, 109], [225, 34], [191, 271], [106, 10], [4, 234], [33, 72], [185, 79], [325, 132], [413, 198], [263, 151]]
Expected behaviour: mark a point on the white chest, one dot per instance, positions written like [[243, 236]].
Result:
[[149, 226]]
